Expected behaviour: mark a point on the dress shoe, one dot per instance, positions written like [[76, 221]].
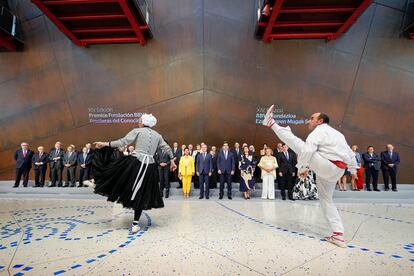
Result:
[[376, 190], [221, 197], [52, 185], [207, 197], [291, 199], [229, 197], [200, 197], [369, 190], [283, 198], [14, 186], [80, 186], [386, 189], [394, 190], [167, 193]]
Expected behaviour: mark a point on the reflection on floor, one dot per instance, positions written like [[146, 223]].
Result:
[[91, 237]]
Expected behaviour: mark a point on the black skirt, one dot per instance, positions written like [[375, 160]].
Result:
[[115, 178]]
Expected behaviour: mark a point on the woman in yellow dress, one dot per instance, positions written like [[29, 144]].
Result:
[[186, 171]]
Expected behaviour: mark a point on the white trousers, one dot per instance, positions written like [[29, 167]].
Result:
[[268, 189], [327, 174]]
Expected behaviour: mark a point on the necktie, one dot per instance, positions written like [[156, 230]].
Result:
[[24, 153], [57, 152], [204, 156], [225, 155], [390, 153], [287, 156]]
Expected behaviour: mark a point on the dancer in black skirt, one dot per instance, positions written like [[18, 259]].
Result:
[[132, 180]]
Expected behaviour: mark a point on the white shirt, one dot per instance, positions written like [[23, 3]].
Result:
[[330, 144]]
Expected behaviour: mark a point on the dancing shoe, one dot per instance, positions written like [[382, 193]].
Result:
[[135, 228], [89, 183], [337, 239]]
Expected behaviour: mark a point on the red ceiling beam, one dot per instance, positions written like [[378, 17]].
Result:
[[132, 20], [57, 22], [316, 10], [351, 20], [110, 40], [331, 23], [101, 30], [275, 12], [299, 35], [7, 42], [75, 2], [92, 17]]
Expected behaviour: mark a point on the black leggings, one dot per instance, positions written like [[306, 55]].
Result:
[[137, 215]]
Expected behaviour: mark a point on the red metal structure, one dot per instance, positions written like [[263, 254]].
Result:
[[295, 19], [97, 21], [11, 37]]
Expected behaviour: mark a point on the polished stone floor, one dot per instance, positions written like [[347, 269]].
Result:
[[200, 237]]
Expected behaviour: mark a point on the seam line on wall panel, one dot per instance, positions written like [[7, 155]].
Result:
[[351, 94], [204, 124], [310, 80], [132, 110], [389, 7], [60, 75]]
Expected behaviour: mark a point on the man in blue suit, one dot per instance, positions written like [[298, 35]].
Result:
[[389, 162], [85, 162], [204, 166], [225, 166], [23, 159], [372, 164]]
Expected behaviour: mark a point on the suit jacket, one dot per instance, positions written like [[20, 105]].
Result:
[[204, 165], [214, 163], [44, 158], [177, 154], [387, 159], [223, 164], [88, 160], [72, 160], [237, 156], [57, 163], [285, 165], [186, 166], [374, 161], [22, 161], [162, 157]]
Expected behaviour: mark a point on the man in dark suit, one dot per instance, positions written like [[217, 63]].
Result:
[[389, 162], [40, 161], [372, 165], [85, 164], [177, 155], [56, 164], [287, 171], [203, 170], [225, 167], [70, 160], [236, 153], [23, 159], [163, 160]]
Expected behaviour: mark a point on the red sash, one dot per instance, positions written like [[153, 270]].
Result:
[[339, 164]]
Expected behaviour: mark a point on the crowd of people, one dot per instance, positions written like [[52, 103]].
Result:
[[208, 167]]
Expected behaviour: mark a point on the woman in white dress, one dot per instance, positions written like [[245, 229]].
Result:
[[268, 164]]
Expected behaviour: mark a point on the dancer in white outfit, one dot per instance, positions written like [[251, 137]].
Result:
[[327, 153]]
